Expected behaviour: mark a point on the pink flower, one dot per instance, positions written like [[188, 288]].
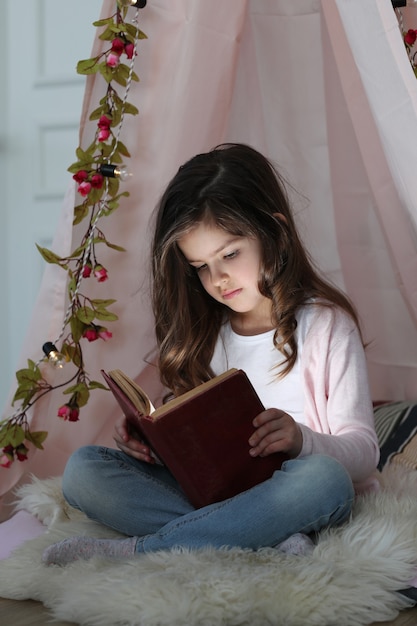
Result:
[[103, 134], [69, 413], [87, 269], [80, 176], [97, 181], [100, 273], [91, 334], [22, 453], [8, 456], [410, 37], [129, 50], [5, 461], [84, 188], [117, 45], [113, 59], [105, 334], [104, 122]]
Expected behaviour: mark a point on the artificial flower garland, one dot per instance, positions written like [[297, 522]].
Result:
[[409, 37], [97, 173]]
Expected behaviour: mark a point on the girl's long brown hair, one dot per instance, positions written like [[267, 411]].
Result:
[[238, 189]]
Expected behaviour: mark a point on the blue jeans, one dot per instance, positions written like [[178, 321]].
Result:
[[144, 500]]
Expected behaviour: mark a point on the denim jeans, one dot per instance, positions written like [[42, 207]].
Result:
[[144, 500]]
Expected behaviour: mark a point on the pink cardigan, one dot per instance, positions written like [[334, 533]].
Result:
[[337, 397]]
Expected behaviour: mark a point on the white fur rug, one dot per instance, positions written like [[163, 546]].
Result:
[[351, 578]]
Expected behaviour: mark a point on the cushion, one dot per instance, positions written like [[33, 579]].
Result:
[[396, 428]]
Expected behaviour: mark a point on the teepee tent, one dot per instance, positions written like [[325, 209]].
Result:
[[322, 87]]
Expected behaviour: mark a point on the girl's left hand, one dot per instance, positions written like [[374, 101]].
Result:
[[276, 431]]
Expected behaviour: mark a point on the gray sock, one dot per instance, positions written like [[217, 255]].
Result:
[[75, 548]]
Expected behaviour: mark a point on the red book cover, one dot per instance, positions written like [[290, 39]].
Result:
[[202, 436]]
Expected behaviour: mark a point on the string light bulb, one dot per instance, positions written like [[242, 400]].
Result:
[[115, 171], [397, 4], [132, 3], [54, 357]]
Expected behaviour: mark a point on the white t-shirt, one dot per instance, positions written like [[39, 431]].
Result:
[[257, 356], [326, 392]]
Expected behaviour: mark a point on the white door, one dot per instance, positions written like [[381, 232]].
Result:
[[41, 98]]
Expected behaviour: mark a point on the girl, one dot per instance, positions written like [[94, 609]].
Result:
[[234, 287]]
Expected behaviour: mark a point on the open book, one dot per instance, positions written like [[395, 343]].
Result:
[[201, 436]]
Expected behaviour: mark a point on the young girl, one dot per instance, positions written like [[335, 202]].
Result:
[[234, 287]]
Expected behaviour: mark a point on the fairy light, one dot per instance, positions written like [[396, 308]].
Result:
[[54, 357], [397, 4], [115, 171], [140, 4]]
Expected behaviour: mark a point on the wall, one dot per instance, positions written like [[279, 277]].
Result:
[[4, 335]]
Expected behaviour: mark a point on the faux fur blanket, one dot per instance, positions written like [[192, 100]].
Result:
[[351, 579]]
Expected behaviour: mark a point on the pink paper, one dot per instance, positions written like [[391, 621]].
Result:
[[18, 529]]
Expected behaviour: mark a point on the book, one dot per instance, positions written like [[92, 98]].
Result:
[[201, 436]]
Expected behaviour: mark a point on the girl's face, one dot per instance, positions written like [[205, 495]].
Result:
[[228, 267]]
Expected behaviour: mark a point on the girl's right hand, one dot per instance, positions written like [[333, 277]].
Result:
[[129, 444]]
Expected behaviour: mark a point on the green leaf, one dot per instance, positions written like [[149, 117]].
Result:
[[132, 32], [88, 66], [24, 395], [106, 71], [79, 394], [37, 438], [117, 100], [131, 109], [97, 113], [102, 304], [96, 385], [106, 150], [104, 22], [113, 187], [95, 195], [117, 115], [72, 285], [16, 435], [73, 353], [51, 257], [80, 212], [122, 149], [86, 164], [109, 32], [120, 79], [117, 159], [86, 315], [106, 316], [111, 206], [4, 436], [74, 389], [84, 155], [77, 328], [28, 375], [114, 247], [82, 396]]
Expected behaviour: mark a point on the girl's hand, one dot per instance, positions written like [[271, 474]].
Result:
[[276, 431], [129, 444]]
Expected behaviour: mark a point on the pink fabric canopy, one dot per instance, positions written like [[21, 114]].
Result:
[[325, 89]]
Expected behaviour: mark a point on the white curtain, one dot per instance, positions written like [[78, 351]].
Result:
[[322, 87]]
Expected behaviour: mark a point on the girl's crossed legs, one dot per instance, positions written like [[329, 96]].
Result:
[[145, 502]]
